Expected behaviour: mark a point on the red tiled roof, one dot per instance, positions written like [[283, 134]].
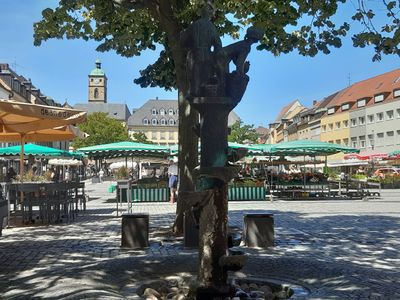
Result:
[[384, 83], [284, 111]]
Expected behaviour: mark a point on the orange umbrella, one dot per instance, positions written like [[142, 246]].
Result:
[[24, 122]]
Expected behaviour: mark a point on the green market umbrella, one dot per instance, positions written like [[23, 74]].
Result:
[[124, 149], [252, 149], [394, 153], [310, 147], [35, 150]]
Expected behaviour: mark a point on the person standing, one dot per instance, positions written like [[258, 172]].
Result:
[[173, 181], [101, 174]]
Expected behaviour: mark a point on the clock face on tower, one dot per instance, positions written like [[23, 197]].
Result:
[[96, 81]]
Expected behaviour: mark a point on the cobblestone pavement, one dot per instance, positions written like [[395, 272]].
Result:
[[335, 249]]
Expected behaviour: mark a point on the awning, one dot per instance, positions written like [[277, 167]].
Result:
[[35, 150], [125, 149]]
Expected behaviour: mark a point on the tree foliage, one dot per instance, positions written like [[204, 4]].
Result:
[[241, 133], [100, 130], [140, 137]]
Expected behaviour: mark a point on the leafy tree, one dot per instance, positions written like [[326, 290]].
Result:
[[101, 130], [132, 26], [140, 137], [241, 133]]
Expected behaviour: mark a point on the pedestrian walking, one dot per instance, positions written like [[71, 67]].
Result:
[[173, 181]]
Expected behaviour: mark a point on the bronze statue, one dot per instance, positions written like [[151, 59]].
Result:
[[214, 91], [202, 41]]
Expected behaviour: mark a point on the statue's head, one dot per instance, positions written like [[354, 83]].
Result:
[[254, 34], [207, 11]]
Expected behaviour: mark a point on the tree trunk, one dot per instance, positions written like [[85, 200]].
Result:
[[188, 157]]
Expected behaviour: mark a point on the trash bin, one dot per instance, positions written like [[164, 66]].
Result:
[[258, 230], [190, 231], [135, 230]]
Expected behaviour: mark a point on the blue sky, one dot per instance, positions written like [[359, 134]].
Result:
[[60, 68]]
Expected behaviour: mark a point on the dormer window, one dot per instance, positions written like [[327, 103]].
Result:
[[379, 98], [171, 122], [396, 93], [361, 102], [145, 122], [331, 111], [171, 112], [154, 112], [154, 122], [162, 111], [346, 106], [163, 121]]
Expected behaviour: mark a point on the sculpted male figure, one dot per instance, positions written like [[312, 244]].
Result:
[[202, 41]]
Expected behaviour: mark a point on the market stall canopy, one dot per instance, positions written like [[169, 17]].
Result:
[[63, 133], [19, 117], [26, 120], [125, 149], [35, 150], [251, 149], [394, 154], [367, 155], [309, 147]]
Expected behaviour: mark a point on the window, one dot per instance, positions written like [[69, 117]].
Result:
[[346, 106], [371, 140], [361, 120], [379, 98], [330, 126], [96, 93], [163, 121], [145, 122], [389, 115], [396, 93], [171, 122], [370, 118], [390, 138], [162, 135], [162, 111], [361, 102], [379, 117], [353, 122], [323, 128], [153, 135], [379, 139], [337, 142], [362, 141], [337, 125], [398, 113], [354, 142], [171, 135], [171, 112], [398, 137], [154, 112], [154, 122], [331, 110], [346, 123], [346, 142]]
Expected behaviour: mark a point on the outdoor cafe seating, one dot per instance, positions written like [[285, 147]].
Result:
[[46, 202]]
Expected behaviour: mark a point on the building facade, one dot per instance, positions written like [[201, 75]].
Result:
[[159, 121], [17, 88]]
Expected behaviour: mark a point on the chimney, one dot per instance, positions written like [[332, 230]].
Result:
[[314, 102], [157, 98]]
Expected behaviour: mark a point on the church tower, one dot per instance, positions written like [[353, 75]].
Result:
[[97, 84]]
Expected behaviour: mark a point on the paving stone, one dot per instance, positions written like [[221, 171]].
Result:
[[337, 249]]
